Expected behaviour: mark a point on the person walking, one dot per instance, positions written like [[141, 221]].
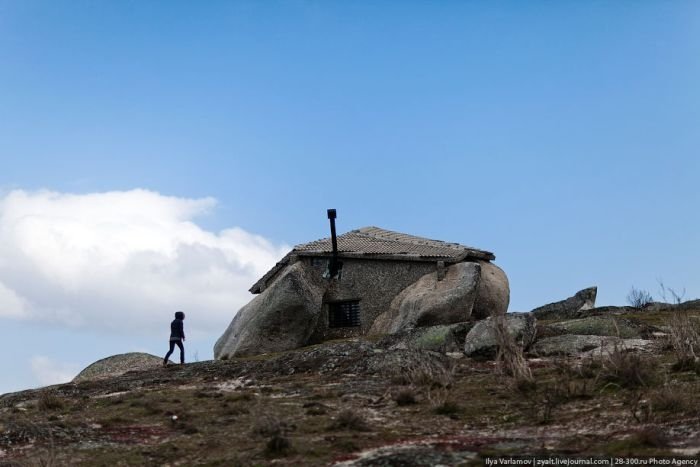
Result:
[[177, 337]]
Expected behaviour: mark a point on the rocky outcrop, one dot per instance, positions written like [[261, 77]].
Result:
[[493, 294], [481, 339], [447, 338], [430, 302], [569, 308], [583, 345], [600, 326], [281, 318], [118, 365], [567, 344]]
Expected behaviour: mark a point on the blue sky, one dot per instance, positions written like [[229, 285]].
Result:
[[563, 136]]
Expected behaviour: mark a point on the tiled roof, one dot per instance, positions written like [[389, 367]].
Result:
[[376, 243], [373, 241]]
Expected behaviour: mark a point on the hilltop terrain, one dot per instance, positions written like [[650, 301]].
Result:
[[363, 402]]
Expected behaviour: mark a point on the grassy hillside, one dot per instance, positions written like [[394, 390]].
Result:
[[334, 402]]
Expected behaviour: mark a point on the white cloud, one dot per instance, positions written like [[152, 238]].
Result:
[[123, 261], [48, 371]]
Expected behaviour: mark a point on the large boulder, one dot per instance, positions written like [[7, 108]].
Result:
[[481, 339], [430, 302], [117, 365], [493, 295], [569, 308], [280, 318]]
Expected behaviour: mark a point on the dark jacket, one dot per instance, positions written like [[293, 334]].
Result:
[[177, 330]]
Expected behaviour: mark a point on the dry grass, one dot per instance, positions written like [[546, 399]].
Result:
[[350, 420], [268, 425], [510, 358], [49, 401], [684, 338], [277, 445], [405, 397], [626, 369], [669, 399], [639, 298], [421, 372], [434, 378]]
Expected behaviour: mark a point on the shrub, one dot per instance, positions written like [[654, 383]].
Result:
[[638, 298], [651, 437], [422, 372], [670, 295], [447, 408], [405, 397], [627, 369], [509, 357], [269, 426], [574, 380], [48, 400], [669, 399], [277, 444], [435, 377], [684, 338], [350, 420], [544, 397]]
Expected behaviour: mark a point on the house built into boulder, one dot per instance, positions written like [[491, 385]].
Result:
[[374, 282]]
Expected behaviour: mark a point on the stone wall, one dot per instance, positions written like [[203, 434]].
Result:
[[374, 283]]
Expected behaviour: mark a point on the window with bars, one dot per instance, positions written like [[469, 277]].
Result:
[[344, 314]]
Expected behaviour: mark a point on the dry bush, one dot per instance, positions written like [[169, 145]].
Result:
[[571, 380], [684, 338], [626, 369], [669, 295], [350, 420], [428, 373], [278, 445], [436, 378], [449, 408], [639, 406], [510, 358], [669, 399], [651, 437], [638, 298], [268, 425], [48, 400], [541, 399], [405, 397], [574, 380], [276, 430]]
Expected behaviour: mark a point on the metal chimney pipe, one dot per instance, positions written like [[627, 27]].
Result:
[[334, 259]]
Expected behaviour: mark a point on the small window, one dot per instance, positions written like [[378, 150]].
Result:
[[344, 314]]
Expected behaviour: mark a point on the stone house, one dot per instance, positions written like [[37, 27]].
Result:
[[374, 282]]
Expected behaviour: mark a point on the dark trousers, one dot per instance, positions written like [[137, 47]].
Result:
[[172, 347]]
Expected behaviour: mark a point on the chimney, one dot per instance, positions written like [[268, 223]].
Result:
[[334, 259]]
